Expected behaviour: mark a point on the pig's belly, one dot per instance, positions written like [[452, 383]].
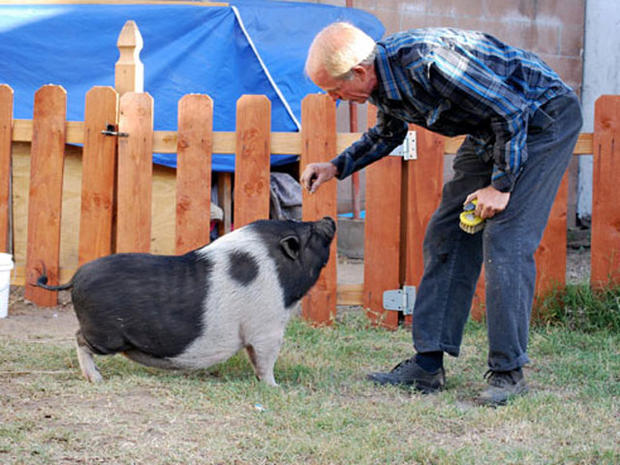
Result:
[[218, 343]]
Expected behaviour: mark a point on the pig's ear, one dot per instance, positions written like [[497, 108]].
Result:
[[290, 245]]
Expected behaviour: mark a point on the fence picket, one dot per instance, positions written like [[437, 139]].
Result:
[[252, 164], [551, 253], [478, 306], [135, 173], [98, 175], [382, 234], [6, 124], [195, 145], [45, 194], [423, 179], [318, 133], [605, 248]]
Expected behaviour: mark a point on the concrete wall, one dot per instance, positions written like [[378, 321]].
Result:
[[554, 29], [601, 76]]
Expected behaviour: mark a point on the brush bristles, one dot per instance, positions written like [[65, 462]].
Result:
[[471, 229]]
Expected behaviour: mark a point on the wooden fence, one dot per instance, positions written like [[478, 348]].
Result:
[[117, 190]]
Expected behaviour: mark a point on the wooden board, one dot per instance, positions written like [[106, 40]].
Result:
[[252, 160], [423, 182], [6, 120], [224, 195], [193, 207], [551, 253], [45, 195], [98, 174], [135, 173], [382, 234], [203, 3], [478, 305], [605, 248], [318, 133], [282, 143]]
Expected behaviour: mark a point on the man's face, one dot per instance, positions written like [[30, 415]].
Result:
[[356, 90]]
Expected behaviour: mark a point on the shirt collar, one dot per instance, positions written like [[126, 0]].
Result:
[[387, 81]]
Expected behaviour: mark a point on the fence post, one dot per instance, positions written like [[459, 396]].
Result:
[[129, 70], [605, 248], [6, 125], [423, 183], [98, 175], [252, 159], [194, 149], [45, 195], [135, 173], [318, 134], [382, 229]]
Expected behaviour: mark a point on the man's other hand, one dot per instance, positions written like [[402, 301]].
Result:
[[490, 201]]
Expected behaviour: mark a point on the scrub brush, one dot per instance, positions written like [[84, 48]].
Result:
[[469, 222]]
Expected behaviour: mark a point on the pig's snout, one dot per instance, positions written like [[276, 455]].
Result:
[[327, 226]]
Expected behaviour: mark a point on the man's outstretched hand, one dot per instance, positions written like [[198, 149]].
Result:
[[316, 174]]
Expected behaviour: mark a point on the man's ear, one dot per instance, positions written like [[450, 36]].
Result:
[[290, 246], [359, 71]]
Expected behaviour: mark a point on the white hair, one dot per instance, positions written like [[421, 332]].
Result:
[[338, 48]]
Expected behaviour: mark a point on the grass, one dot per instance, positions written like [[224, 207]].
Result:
[[323, 412], [581, 308]]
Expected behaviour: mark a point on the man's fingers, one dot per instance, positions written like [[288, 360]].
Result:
[[470, 197], [308, 178]]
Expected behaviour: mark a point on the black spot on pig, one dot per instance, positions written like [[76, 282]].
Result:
[[242, 267]]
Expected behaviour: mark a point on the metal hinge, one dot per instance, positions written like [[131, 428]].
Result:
[[408, 149], [401, 300]]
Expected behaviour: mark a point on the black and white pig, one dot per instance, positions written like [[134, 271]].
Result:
[[194, 310]]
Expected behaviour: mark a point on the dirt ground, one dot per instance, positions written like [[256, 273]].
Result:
[[27, 321], [72, 424]]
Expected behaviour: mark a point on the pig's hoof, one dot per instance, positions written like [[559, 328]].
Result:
[[269, 381], [94, 376]]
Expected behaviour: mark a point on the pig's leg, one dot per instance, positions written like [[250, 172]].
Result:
[[263, 355], [85, 358]]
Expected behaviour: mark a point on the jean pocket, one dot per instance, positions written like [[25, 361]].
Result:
[[540, 122]]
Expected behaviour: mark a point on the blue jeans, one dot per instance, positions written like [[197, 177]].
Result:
[[453, 258]]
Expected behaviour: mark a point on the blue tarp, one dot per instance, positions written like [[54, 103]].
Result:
[[249, 47]]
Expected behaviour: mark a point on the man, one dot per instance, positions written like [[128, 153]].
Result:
[[521, 122]]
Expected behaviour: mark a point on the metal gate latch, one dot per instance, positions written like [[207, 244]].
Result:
[[401, 300], [111, 131]]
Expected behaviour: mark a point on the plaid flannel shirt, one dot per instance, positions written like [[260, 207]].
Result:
[[455, 82]]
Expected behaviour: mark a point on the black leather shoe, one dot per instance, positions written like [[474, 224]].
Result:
[[503, 386], [408, 373]]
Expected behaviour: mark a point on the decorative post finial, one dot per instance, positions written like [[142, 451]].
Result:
[[129, 70]]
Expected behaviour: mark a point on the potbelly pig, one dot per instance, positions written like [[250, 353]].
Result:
[[194, 310]]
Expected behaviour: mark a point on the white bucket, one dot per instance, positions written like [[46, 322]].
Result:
[[6, 265]]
